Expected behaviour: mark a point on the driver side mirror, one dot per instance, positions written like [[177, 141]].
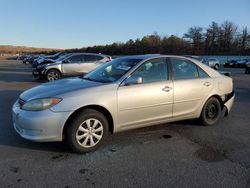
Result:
[[133, 80]]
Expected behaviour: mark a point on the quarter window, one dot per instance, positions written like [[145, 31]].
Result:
[[89, 58], [152, 71], [98, 58], [202, 73]]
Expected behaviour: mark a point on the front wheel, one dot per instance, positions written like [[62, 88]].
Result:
[[53, 74], [87, 131], [211, 112]]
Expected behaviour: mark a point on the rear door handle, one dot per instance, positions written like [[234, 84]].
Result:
[[207, 84], [166, 88]]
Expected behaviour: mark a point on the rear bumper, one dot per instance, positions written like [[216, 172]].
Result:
[[229, 101]]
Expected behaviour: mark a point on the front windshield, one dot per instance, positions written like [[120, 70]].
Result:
[[55, 55], [113, 70]]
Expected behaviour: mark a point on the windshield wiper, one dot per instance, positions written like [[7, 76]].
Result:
[[91, 79]]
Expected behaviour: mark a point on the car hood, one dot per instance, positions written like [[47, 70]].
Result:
[[55, 62], [46, 61], [58, 87]]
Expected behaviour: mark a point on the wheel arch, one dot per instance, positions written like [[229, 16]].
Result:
[[98, 108], [53, 68], [215, 96], [219, 99]]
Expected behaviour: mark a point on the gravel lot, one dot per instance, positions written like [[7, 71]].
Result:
[[182, 154]]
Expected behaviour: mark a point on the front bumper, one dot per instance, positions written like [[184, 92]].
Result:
[[40, 126], [37, 73]]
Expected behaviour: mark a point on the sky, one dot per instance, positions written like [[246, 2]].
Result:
[[82, 23]]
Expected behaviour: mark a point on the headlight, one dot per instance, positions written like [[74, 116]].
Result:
[[40, 104]]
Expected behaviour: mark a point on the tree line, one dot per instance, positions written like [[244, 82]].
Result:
[[216, 39], [8, 49]]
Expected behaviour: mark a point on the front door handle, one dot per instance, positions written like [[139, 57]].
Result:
[[207, 84], [166, 88]]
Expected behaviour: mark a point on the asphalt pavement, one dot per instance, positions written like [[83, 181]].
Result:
[[182, 154]]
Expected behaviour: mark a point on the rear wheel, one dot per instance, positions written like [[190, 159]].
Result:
[[211, 112], [87, 131], [53, 74], [247, 70], [216, 66]]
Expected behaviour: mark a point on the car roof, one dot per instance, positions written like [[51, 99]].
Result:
[[142, 57], [79, 53], [149, 56], [211, 72]]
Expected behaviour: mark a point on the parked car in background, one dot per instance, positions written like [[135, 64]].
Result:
[[247, 68], [70, 65], [237, 63], [30, 58], [47, 59], [230, 63], [126, 93], [22, 57], [241, 63], [212, 62]]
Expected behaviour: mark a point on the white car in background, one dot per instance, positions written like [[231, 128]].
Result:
[[212, 62]]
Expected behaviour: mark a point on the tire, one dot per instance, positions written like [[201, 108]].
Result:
[[211, 112], [87, 131], [247, 70], [216, 67], [52, 75]]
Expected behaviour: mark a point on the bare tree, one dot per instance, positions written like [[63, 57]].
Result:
[[227, 35], [195, 35], [244, 40], [211, 38]]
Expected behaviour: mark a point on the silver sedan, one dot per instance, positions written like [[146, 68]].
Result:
[[126, 93]]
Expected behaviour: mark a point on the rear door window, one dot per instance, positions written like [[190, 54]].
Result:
[[75, 59], [185, 69]]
